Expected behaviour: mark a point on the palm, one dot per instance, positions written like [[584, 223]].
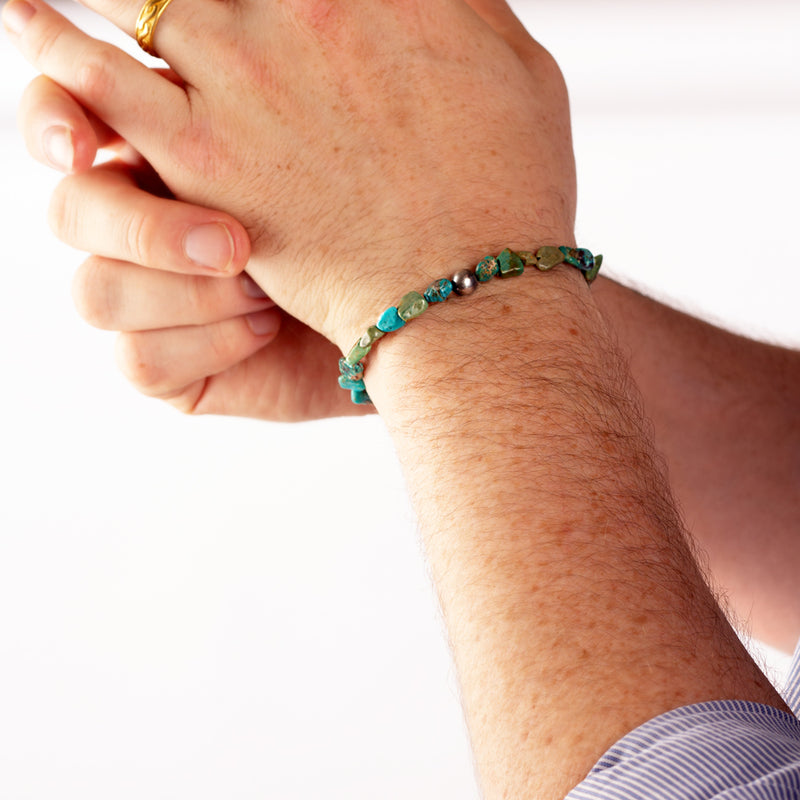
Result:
[[291, 380]]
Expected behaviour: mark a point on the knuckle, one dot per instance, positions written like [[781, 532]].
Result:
[[138, 365], [195, 299], [95, 78], [137, 232], [221, 339], [94, 295], [195, 145]]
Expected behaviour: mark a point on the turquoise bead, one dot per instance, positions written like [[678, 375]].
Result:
[[592, 273], [439, 292], [510, 264], [360, 397], [586, 258], [353, 371], [352, 384], [571, 256], [390, 320], [487, 268], [411, 306], [580, 258], [463, 282]]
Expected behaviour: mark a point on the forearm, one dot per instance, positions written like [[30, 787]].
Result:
[[725, 415], [572, 599]]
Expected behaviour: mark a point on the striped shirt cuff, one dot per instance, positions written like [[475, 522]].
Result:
[[727, 749]]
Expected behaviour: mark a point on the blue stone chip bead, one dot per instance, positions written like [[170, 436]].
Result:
[[582, 259], [579, 257], [391, 320], [510, 264], [352, 371], [360, 397], [351, 384], [586, 259], [487, 268], [439, 292], [592, 273], [573, 257]]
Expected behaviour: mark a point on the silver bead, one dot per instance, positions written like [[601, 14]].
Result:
[[464, 282]]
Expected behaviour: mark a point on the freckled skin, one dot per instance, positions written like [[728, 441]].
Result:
[[546, 570]]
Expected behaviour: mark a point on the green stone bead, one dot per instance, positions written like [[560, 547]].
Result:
[[357, 353], [360, 397], [510, 264], [371, 336], [549, 257], [411, 306], [528, 258], [487, 268]]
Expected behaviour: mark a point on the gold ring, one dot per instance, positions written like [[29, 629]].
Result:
[[146, 24]]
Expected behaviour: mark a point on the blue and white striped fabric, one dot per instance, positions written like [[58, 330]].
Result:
[[728, 749]]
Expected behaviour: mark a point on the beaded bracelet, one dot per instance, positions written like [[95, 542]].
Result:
[[506, 265]]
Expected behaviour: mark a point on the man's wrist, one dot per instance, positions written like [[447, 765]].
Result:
[[463, 348]]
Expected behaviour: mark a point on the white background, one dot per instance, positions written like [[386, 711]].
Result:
[[215, 608]]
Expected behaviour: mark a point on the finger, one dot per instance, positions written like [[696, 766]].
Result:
[[109, 83], [295, 378], [57, 131], [104, 212], [117, 296], [161, 363], [176, 34], [61, 133]]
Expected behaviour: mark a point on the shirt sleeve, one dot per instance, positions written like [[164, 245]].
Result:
[[729, 749]]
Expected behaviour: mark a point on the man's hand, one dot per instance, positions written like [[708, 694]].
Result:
[[197, 331], [357, 143]]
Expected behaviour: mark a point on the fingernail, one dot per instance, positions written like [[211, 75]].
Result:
[[264, 323], [210, 246], [251, 288], [17, 15], [59, 148]]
